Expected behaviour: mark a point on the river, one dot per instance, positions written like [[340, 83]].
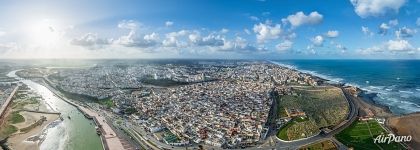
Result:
[[75, 132]]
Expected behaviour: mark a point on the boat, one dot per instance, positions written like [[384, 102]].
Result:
[[68, 117], [98, 131]]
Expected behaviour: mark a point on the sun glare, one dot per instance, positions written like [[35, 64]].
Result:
[[44, 33]]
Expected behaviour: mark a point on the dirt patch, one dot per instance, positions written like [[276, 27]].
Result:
[[407, 125]]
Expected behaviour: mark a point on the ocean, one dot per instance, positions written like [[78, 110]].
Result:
[[396, 83]]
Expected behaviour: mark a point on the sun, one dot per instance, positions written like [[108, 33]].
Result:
[[44, 33]]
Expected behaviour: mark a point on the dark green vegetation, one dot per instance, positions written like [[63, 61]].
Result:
[[298, 128], [323, 145], [107, 102], [15, 117], [282, 134], [323, 106], [170, 137], [130, 110], [75, 96], [326, 105], [162, 82], [282, 112], [361, 134], [7, 130]]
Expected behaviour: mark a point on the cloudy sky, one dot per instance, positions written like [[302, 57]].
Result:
[[258, 29]]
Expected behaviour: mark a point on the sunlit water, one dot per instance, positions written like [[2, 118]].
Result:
[[77, 133]]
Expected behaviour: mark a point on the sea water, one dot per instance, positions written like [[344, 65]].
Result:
[[395, 82]]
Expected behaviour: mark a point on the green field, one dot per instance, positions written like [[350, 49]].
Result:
[[282, 134], [107, 102], [7, 130], [323, 106], [15, 117], [297, 128], [326, 105], [360, 135]]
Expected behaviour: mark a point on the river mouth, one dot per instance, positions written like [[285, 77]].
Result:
[[75, 131]]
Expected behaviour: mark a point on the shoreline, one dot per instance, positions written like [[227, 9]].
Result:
[[39, 137], [362, 94], [398, 124], [32, 138], [108, 136]]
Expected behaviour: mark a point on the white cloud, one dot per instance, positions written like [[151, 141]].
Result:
[[398, 45], [370, 50], [332, 34], [129, 24], [366, 8], [169, 23], [300, 18], [405, 32], [2, 33], [171, 39], [170, 42], [366, 31], [383, 29], [133, 40], [317, 40], [266, 31], [285, 45], [90, 41], [210, 40], [240, 45]]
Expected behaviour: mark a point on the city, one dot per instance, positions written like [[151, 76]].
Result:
[[209, 75], [203, 104]]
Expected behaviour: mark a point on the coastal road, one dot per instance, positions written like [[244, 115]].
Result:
[[120, 133]]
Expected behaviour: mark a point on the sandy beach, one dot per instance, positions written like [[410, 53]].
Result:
[[20, 140]]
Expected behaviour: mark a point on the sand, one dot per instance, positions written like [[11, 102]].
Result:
[[19, 140], [407, 125]]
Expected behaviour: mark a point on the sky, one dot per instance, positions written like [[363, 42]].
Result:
[[234, 29]]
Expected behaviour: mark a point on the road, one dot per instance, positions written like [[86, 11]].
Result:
[[351, 117]]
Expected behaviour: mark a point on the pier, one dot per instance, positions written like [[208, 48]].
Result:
[[6, 104]]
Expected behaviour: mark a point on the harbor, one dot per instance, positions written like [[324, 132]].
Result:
[[79, 132]]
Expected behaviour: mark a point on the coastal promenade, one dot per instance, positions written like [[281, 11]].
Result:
[[6, 104]]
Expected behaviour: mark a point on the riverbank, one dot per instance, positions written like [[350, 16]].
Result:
[[72, 131], [109, 138], [29, 117], [31, 139]]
